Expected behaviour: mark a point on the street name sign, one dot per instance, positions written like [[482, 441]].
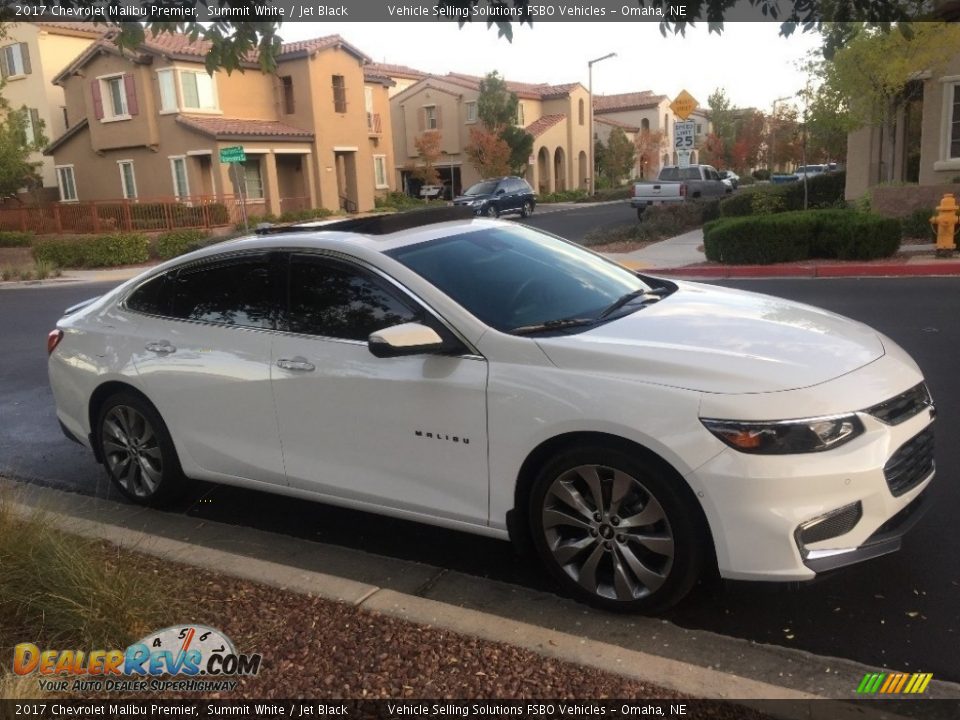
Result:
[[234, 154]]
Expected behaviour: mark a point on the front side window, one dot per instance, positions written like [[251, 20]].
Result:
[[168, 91], [335, 300], [514, 277], [198, 90], [65, 179], [128, 183], [178, 169], [238, 291]]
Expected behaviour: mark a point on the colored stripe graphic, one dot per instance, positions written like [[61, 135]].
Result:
[[894, 683]]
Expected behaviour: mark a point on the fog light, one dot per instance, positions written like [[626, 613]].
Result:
[[833, 524]]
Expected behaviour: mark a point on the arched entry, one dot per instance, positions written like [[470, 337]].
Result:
[[544, 177], [559, 170], [582, 171]]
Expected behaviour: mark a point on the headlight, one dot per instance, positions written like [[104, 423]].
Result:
[[786, 437]]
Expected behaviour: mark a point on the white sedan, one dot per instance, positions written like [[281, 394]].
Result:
[[490, 378]]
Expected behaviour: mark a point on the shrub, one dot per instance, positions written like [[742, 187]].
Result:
[[94, 251], [787, 237], [917, 225], [761, 174], [398, 200], [562, 196], [178, 242], [12, 238], [304, 215], [767, 203], [823, 191], [620, 193]]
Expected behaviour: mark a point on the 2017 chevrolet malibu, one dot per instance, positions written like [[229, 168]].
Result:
[[487, 377]]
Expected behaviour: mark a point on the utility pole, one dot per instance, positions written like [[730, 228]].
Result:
[[593, 185]]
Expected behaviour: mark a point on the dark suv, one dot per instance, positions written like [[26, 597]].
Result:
[[499, 195]]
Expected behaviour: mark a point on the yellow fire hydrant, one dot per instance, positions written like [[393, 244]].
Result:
[[945, 224]]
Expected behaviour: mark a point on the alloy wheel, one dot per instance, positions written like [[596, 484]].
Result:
[[131, 451], [492, 211], [608, 532]]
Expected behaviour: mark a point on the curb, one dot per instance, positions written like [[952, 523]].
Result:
[[811, 271]]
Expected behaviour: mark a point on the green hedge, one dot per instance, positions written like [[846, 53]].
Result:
[[917, 224], [562, 196], [95, 251], [12, 238], [177, 242], [791, 236], [823, 191]]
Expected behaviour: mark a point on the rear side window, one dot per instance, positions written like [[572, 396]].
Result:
[[238, 291], [335, 300], [152, 297]]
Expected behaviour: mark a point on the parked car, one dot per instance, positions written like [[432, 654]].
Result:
[[436, 192], [801, 173], [497, 196], [730, 179], [487, 377], [675, 184]]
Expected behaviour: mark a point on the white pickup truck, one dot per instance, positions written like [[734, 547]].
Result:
[[676, 184]]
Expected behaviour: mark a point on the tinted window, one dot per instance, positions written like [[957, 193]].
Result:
[[151, 297], [334, 300], [231, 292], [482, 188]]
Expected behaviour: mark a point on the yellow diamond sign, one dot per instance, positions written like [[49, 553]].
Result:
[[683, 104]]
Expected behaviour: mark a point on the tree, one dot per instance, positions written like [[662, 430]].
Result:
[[713, 151], [497, 112], [748, 145], [723, 119], [650, 146], [428, 148], [488, 153], [619, 157], [827, 122], [17, 170], [784, 144]]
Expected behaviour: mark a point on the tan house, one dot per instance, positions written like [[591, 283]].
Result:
[[315, 133], [921, 146], [30, 56], [401, 75], [556, 116]]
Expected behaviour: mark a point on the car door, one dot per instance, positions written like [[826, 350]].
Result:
[[205, 364], [407, 433]]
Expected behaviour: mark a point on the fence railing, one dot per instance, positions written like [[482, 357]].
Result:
[[145, 214], [374, 124]]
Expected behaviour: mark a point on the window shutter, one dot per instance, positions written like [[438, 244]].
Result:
[[439, 116], [422, 119], [35, 122], [25, 54], [131, 90], [97, 100], [4, 70]]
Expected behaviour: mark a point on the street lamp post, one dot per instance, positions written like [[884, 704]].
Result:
[[593, 169], [773, 130]]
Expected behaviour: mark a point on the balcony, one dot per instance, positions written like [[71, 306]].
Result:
[[374, 126]]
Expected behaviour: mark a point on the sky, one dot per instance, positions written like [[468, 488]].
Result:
[[749, 60]]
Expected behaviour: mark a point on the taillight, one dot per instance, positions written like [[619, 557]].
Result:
[[683, 190], [636, 190], [53, 339]]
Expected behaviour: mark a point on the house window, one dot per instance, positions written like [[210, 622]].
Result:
[[128, 182], [68, 187], [168, 91], [471, 112], [252, 180], [580, 111], [66, 117], [15, 60], [198, 90], [178, 170], [699, 129], [286, 83], [520, 114], [31, 129], [380, 171], [430, 113], [339, 94], [114, 98]]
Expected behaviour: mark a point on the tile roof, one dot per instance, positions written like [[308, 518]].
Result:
[[226, 128], [85, 29], [391, 70], [616, 123], [626, 101], [529, 91], [539, 126]]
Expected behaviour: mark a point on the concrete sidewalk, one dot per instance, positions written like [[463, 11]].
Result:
[[675, 252]]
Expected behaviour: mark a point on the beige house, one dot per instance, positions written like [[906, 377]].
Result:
[[315, 133], [30, 56], [556, 115], [921, 146], [401, 75]]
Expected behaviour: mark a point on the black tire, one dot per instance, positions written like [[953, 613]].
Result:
[[491, 211], [631, 567], [640, 213], [137, 451], [527, 209]]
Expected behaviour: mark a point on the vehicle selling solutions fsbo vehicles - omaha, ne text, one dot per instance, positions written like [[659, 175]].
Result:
[[487, 377]]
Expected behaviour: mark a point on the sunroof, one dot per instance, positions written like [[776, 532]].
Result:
[[380, 224]]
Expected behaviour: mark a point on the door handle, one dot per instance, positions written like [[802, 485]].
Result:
[[297, 363], [161, 347]]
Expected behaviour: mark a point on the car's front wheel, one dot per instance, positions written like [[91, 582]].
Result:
[[491, 211], [137, 450], [616, 531], [527, 209]]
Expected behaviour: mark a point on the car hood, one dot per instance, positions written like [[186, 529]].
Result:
[[717, 340]]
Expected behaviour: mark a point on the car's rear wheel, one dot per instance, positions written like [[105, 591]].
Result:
[[616, 531], [640, 213], [137, 450], [527, 209], [492, 211]]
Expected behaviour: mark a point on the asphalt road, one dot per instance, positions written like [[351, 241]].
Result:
[[575, 224], [899, 611]]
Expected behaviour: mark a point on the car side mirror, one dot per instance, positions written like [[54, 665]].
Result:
[[501, 191], [406, 339]]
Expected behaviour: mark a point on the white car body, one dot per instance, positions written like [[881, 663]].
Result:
[[442, 439]]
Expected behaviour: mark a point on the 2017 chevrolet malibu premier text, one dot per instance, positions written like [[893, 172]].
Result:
[[490, 378]]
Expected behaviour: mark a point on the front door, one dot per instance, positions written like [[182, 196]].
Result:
[[406, 433]]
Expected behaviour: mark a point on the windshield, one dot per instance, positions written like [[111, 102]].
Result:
[[515, 277], [482, 188], [677, 173]]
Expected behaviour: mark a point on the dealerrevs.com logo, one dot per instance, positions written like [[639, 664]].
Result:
[[201, 657]]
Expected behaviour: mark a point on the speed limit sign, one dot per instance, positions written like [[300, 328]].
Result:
[[684, 134]]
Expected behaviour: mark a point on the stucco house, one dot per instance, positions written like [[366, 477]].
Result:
[[30, 57], [556, 115], [315, 133]]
